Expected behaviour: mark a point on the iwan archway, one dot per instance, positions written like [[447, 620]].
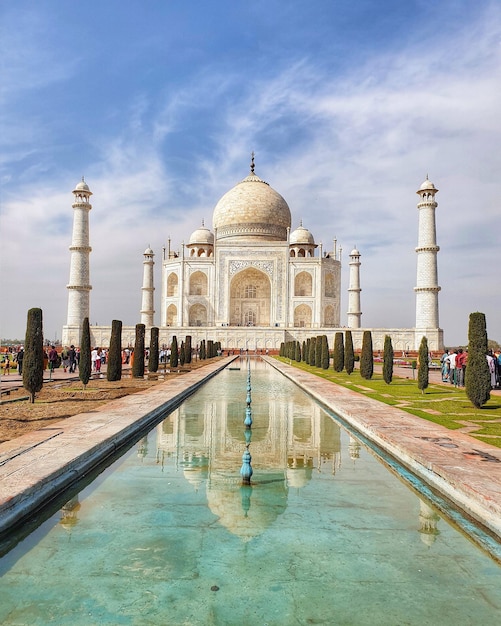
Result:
[[250, 298]]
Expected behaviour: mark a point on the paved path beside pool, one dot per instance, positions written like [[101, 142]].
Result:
[[463, 469], [35, 466]]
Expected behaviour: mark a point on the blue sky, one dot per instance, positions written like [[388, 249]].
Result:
[[347, 105]]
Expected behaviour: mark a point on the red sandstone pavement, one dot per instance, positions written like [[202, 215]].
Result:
[[35, 466]]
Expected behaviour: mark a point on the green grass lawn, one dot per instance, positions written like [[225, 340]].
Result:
[[443, 405]]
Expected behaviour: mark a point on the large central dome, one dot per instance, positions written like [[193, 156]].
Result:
[[252, 210]]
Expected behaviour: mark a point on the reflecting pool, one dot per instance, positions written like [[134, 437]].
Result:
[[325, 533]]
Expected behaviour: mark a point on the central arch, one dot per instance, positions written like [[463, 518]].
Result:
[[250, 298]]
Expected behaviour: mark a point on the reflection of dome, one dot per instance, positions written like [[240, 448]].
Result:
[[247, 511], [252, 210], [202, 236], [301, 236], [298, 477]]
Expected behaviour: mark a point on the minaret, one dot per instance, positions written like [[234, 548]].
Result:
[[147, 310], [79, 285], [427, 275], [354, 310]]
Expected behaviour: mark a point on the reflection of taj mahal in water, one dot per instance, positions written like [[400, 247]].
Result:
[[253, 281]]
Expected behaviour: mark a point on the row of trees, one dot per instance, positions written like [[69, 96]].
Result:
[[314, 351], [33, 366]]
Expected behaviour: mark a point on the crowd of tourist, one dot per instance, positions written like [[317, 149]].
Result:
[[454, 363]]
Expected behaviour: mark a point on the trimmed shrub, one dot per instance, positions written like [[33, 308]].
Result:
[[85, 363], [313, 341], [174, 357], [138, 365], [318, 351], [388, 360], [367, 358], [282, 349], [114, 360], [33, 354], [182, 354], [325, 353], [154, 350], [303, 352], [187, 349], [349, 355], [338, 356], [423, 365], [298, 351], [478, 378]]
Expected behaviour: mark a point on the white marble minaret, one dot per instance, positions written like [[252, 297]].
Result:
[[427, 274], [354, 308], [147, 310], [79, 285]]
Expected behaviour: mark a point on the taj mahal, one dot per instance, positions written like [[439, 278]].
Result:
[[253, 282]]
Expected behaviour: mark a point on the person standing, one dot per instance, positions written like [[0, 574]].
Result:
[[452, 366], [444, 359], [460, 367], [65, 358], [52, 360], [19, 359], [72, 356]]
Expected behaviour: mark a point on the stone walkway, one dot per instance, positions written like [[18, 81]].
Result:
[[34, 467]]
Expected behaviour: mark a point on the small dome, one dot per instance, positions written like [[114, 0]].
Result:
[[202, 236], [252, 210], [427, 185], [302, 236], [148, 251], [82, 186], [355, 252]]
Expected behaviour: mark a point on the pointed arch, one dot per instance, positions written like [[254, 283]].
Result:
[[198, 284], [302, 316], [250, 298], [303, 284], [198, 315], [172, 285]]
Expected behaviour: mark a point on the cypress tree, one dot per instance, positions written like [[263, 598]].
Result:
[[388, 360], [282, 349], [33, 354], [187, 349], [114, 360], [85, 363], [298, 351], [313, 341], [478, 378], [367, 358], [349, 355], [138, 365], [203, 354], [308, 348], [423, 366], [338, 357], [303, 351], [318, 351], [174, 358], [182, 354], [154, 350], [325, 352]]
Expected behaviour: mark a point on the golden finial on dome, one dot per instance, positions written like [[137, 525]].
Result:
[[252, 162]]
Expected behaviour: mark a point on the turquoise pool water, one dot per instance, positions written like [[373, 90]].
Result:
[[325, 534]]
